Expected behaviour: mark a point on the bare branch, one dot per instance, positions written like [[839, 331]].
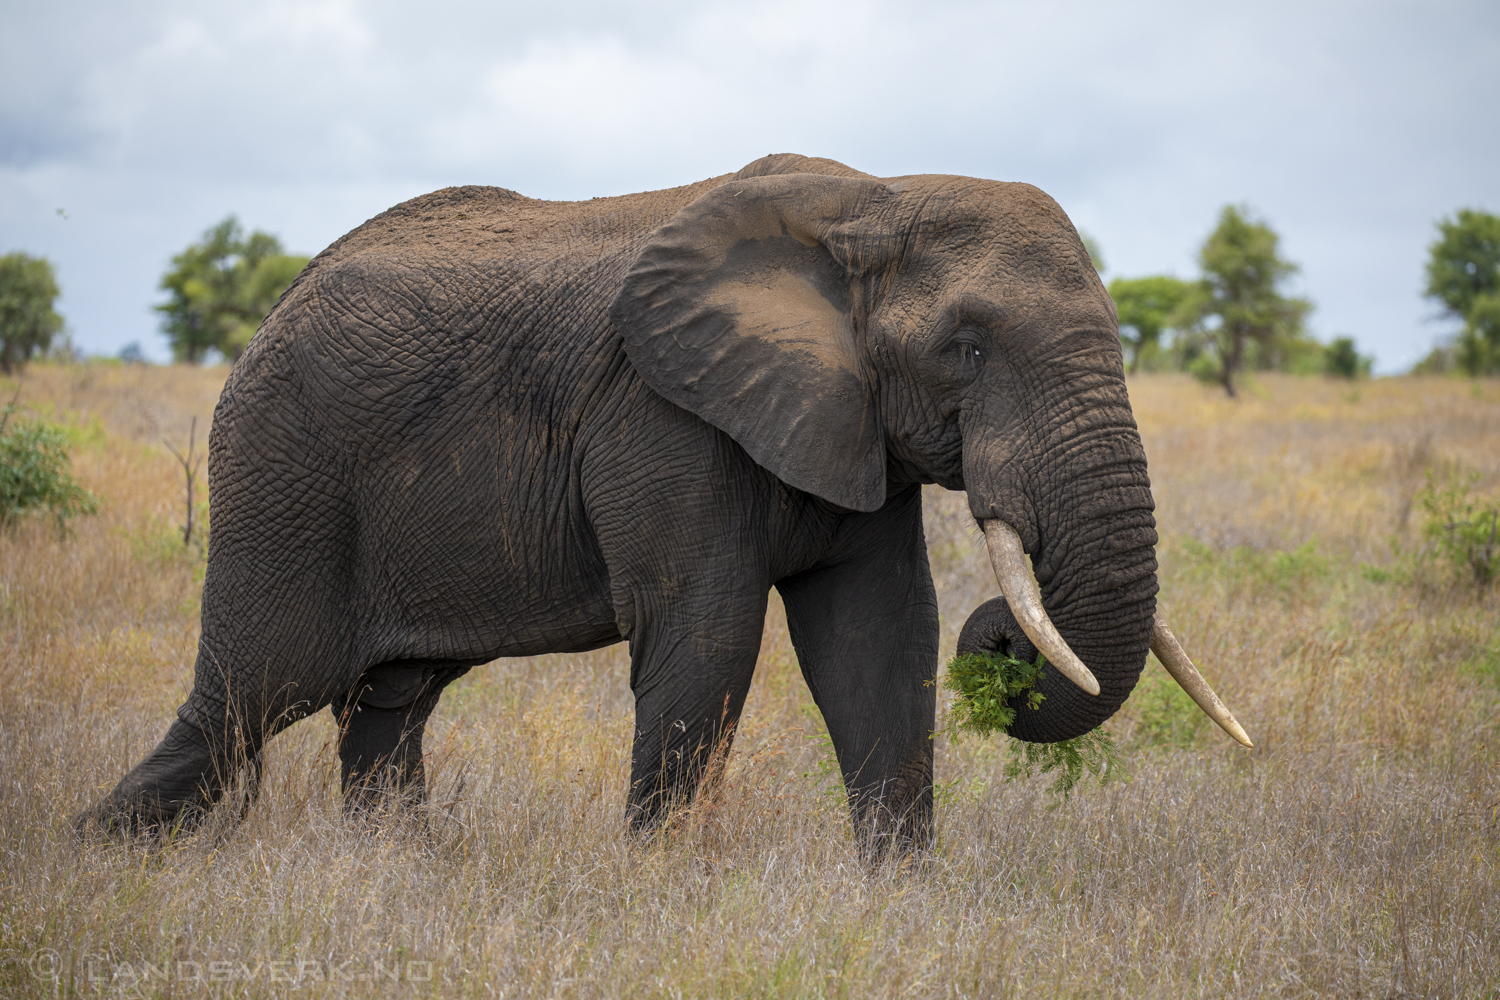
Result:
[[189, 463]]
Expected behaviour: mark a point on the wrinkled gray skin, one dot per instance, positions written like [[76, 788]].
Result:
[[482, 425]]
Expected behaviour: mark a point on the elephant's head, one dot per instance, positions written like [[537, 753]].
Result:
[[853, 332]]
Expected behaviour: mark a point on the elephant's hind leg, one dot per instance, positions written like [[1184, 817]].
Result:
[[381, 723]]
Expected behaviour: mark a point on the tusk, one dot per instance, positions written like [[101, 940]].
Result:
[[1025, 600], [1169, 651]]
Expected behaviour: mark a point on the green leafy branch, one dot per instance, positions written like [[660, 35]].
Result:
[[989, 686], [985, 684], [1094, 753]]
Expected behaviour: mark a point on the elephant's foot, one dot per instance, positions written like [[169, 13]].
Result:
[[893, 819], [172, 789], [670, 799], [897, 841]]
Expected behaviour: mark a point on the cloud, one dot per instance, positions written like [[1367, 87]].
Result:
[[1350, 127]]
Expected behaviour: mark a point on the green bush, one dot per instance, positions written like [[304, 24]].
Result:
[[1460, 529], [36, 473]]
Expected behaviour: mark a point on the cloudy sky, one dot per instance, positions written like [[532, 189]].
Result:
[[1349, 127]]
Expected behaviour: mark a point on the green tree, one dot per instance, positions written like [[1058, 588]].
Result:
[[1096, 255], [1238, 306], [1463, 273], [28, 287], [1147, 308], [1342, 359], [221, 288]]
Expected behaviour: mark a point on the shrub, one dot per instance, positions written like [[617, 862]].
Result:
[[1460, 529], [1343, 360], [36, 473]]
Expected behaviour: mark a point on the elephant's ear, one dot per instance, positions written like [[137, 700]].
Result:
[[740, 310]]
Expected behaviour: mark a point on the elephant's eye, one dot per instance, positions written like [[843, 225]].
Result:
[[971, 356]]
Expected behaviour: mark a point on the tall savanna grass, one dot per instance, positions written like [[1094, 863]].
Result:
[[1353, 853]]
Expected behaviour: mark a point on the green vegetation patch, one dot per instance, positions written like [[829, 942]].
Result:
[[36, 473], [986, 685], [1461, 538], [1291, 572], [1461, 529]]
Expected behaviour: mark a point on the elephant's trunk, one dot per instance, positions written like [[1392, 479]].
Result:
[[1092, 539]]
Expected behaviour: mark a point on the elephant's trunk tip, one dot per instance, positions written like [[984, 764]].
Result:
[[1008, 558], [1169, 651]]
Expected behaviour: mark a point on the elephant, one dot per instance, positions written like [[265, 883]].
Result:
[[482, 425]]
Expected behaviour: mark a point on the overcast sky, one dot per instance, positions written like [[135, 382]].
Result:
[[1349, 127]]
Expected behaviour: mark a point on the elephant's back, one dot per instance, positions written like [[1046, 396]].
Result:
[[453, 346], [476, 222]]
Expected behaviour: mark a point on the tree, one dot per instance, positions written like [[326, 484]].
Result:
[[28, 287], [1342, 359], [1096, 255], [1463, 273], [222, 288], [1237, 304], [1147, 308]]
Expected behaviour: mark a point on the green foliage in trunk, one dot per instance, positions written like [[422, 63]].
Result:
[[987, 684], [1094, 753]]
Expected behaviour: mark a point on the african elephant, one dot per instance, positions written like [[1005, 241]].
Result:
[[482, 425]]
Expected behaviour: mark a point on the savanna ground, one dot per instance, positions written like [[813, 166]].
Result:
[[1355, 852]]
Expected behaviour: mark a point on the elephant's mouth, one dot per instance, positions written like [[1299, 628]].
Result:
[[1025, 599]]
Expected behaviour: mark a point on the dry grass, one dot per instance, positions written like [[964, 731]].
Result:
[[1354, 853]]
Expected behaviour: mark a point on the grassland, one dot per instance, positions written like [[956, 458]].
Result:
[[1354, 853]]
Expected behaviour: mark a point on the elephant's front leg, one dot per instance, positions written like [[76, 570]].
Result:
[[865, 627], [692, 660]]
